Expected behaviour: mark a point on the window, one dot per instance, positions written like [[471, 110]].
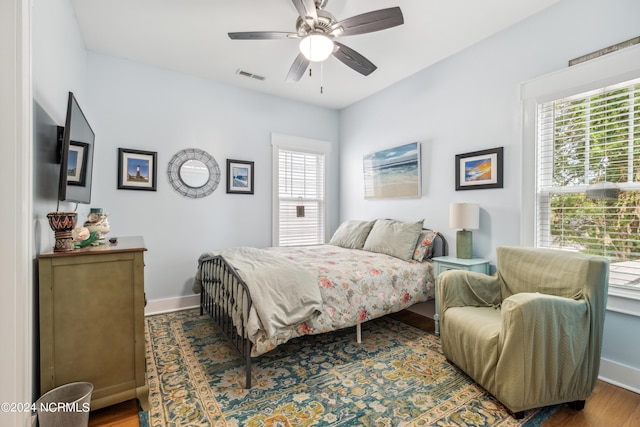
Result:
[[588, 177], [299, 199]]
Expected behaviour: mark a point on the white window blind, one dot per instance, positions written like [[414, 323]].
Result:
[[588, 172], [301, 197]]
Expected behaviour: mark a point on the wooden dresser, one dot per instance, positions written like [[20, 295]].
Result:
[[92, 321]]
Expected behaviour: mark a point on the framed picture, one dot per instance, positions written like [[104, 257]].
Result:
[[239, 177], [394, 172], [77, 164], [479, 169], [137, 169]]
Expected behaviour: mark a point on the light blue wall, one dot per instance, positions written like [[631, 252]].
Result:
[[471, 102], [144, 108], [59, 57]]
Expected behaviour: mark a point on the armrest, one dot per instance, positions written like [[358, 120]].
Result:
[[459, 288], [544, 343], [544, 315]]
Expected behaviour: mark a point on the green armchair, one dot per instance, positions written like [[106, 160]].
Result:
[[531, 334]]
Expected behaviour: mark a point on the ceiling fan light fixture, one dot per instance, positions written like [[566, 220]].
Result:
[[316, 47]]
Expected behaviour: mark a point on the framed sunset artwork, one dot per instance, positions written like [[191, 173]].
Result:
[[479, 169]]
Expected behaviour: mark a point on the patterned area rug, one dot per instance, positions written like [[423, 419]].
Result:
[[396, 377]]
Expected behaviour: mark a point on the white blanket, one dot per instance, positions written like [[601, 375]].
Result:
[[283, 294]]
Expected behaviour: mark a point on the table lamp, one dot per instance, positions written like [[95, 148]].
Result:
[[465, 216]]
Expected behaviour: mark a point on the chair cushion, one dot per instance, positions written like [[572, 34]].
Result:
[[470, 340]]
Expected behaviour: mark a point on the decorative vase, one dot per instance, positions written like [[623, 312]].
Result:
[[62, 223], [98, 221]]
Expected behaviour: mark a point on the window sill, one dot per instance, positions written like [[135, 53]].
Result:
[[624, 301]]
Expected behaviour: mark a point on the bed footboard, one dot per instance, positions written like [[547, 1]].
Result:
[[226, 297]]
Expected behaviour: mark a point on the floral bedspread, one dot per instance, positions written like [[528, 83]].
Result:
[[356, 286]]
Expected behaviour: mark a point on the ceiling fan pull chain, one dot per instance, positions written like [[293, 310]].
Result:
[[321, 79]]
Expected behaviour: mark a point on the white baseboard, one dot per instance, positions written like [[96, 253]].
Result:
[[171, 304], [620, 375]]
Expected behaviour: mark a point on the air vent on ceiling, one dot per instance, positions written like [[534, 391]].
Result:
[[250, 75]]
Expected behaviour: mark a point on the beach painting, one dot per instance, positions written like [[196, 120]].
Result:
[[479, 169], [239, 176], [393, 173]]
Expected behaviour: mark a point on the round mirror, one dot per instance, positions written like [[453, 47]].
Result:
[[193, 173]]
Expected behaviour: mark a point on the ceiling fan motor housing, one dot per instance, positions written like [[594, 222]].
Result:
[[324, 25]]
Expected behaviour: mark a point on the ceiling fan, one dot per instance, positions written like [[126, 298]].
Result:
[[317, 30]]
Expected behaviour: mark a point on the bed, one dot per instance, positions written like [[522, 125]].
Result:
[[262, 298]]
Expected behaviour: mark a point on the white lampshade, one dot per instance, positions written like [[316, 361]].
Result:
[[316, 47], [465, 216]]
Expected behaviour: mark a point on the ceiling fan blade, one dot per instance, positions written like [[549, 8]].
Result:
[[369, 22], [306, 9], [298, 68], [260, 35], [353, 59]]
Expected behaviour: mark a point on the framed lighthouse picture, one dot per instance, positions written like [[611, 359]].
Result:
[[136, 169]]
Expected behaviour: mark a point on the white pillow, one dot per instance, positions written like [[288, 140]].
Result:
[[395, 238], [352, 234]]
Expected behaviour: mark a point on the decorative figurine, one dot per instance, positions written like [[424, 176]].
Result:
[[98, 221]]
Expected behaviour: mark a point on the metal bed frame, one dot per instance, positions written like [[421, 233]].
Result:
[[222, 289]]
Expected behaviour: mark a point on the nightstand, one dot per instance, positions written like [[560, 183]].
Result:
[[444, 263]]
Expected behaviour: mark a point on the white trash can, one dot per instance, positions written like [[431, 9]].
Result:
[[65, 406]]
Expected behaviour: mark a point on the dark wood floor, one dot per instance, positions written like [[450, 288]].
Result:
[[607, 406], [121, 415]]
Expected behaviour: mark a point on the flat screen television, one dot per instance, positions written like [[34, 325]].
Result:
[[76, 143]]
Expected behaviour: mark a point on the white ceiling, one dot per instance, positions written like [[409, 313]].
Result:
[[190, 36]]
